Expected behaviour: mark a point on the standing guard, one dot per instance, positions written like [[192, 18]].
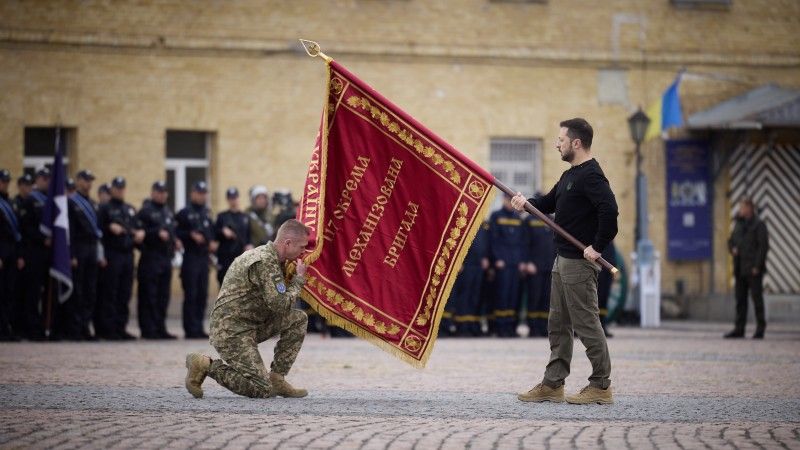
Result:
[[508, 247], [121, 231], [541, 255], [233, 233], [10, 239], [154, 273], [195, 229], [85, 235], [467, 288]]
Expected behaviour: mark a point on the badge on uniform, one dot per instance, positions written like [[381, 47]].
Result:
[[281, 286]]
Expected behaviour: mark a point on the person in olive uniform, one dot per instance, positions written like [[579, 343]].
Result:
[[261, 219], [154, 273], [121, 231], [10, 241], [196, 231], [232, 232], [541, 254], [749, 244], [35, 253], [85, 235], [255, 304], [507, 248]]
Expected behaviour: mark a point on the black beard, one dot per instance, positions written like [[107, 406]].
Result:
[[568, 156]]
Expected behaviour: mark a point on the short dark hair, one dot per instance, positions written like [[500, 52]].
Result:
[[579, 128], [293, 228]]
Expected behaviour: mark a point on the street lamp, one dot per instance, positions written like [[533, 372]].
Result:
[[648, 274]]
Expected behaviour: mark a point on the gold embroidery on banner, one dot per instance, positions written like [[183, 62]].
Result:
[[440, 267], [336, 86], [355, 312], [406, 136], [477, 189], [412, 343]]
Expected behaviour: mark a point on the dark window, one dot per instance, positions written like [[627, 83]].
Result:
[[41, 141], [187, 144]]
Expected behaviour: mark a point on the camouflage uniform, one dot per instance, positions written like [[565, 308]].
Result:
[[254, 304]]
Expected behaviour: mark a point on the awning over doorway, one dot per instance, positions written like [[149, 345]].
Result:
[[768, 106]]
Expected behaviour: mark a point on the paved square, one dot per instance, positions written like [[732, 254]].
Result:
[[681, 386]]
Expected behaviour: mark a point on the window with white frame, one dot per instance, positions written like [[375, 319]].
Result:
[[517, 163], [187, 162], [39, 147]]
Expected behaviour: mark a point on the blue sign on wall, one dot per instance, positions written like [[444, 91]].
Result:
[[689, 227]]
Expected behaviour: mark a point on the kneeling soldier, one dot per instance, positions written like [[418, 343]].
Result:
[[255, 304]]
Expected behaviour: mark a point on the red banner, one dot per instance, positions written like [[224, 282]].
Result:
[[393, 209]]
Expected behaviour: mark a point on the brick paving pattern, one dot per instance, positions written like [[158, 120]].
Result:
[[681, 386]]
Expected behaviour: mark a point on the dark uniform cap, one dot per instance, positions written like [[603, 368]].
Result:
[[232, 192], [200, 186], [118, 182], [160, 186], [70, 183], [104, 188], [5, 175], [43, 172], [25, 178], [86, 174]]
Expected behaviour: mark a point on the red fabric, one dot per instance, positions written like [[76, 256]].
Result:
[[393, 209]]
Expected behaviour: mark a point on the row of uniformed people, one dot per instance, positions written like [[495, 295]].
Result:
[[103, 236], [511, 259]]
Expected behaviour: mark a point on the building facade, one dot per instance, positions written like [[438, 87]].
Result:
[[222, 91]]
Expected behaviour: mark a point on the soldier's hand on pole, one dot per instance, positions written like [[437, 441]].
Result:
[[301, 267]]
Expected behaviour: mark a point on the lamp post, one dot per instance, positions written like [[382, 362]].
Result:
[[647, 289]]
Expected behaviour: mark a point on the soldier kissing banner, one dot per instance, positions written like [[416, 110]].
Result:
[[392, 210]]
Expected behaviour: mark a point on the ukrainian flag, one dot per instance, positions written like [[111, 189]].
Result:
[[666, 112]]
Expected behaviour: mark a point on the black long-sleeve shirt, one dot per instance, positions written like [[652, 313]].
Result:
[[584, 206]]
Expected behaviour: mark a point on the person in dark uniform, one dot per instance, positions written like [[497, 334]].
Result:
[[749, 244], [103, 194], [70, 186], [465, 295], [508, 247], [85, 235], [196, 230], [541, 254], [121, 232], [154, 273], [232, 231], [35, 253], [10, 241], [604, 282], [18, 313]]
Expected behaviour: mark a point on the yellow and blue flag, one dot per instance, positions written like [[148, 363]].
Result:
[[666, 112]]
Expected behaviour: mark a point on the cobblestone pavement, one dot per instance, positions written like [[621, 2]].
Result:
[[680, 386]]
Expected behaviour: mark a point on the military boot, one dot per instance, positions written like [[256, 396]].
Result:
[[282, 387], [591, 394], [543, 393], [197, 366]]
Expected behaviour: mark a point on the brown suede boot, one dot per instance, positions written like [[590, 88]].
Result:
[[591, 394], [543, 393], [282, 387], [197, 366]]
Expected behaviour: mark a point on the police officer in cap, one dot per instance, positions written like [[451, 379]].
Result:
[[232, 232], [155, 264], [121, 231], [18, 313], [196, 230], [508, 241], [85, 235], [35, 253], [10, 240]]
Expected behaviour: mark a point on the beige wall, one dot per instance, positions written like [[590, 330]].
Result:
[[124, 72]]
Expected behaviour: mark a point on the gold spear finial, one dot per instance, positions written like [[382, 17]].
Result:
[[313, 49]]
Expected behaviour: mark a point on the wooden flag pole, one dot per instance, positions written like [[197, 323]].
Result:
[[555, 227]]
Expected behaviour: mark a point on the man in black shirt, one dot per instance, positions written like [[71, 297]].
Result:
[[196, 231], [121, 231], [155, 264], [233, 233], [85, 236], [585, 207]]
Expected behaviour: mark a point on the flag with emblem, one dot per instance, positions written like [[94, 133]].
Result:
[[55, 225], [392, 210]]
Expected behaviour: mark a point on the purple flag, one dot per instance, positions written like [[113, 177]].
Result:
[[55, 224]]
